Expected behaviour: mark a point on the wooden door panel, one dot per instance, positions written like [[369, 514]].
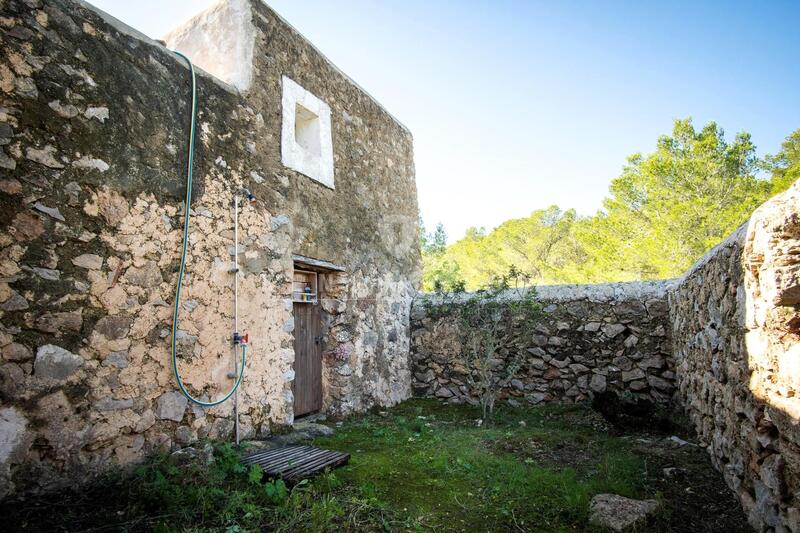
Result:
[[307, 385]]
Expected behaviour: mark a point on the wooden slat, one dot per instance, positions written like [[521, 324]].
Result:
[[289, 461], [279, 459], [325, 460], [295, 463], [307, 383], [310, 471], [271, 453]]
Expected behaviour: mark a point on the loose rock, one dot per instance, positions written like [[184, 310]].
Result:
[[88, 261], [618, 513]]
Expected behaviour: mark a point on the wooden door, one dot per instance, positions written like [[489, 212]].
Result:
[[307, 385]]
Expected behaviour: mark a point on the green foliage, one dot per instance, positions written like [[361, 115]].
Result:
[[255, 474], [276, 491], [785, 165], [543, 246], [671, 206], [488, 320], [665, 210], [439, 272], [229, 496]]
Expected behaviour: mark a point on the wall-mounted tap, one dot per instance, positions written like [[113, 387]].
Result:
[[245, 193]]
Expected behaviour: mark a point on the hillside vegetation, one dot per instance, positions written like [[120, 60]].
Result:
[[665, 210]]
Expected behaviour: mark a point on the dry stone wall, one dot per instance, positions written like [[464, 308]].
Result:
[[736, 343], [591, 339]]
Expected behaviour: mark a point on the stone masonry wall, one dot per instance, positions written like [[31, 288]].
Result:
[[368, 224], [736, 342], [94, 126], [93, 131], [591, 339]]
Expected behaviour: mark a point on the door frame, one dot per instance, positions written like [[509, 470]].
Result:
[[307, 384], [322, 268]]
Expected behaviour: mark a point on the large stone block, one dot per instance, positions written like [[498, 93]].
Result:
[[114, 326], [171, 406], [54, 362]]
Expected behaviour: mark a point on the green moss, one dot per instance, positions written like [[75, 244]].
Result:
[[434, 463]]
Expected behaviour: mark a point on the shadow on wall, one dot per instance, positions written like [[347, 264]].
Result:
[[735, 325]]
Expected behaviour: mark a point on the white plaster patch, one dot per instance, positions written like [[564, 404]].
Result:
[[220, 40], [306, 142], [12, 431], [789, 366], [100, 113], [90, 162], [82, 74]]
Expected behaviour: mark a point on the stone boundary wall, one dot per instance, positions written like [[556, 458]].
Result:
[[736, 343], [591, 339]]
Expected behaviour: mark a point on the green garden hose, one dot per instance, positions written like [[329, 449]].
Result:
[[187, 208]]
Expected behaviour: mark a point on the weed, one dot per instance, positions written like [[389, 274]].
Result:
[[276, 491]]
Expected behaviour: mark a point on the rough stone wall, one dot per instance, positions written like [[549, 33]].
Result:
[[93, 129], [736, 320], [591, 339], [94, 126], [368, 224]]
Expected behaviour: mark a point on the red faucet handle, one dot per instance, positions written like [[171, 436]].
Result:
[[246, 338]]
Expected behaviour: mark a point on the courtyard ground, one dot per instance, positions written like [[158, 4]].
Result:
[[420, 466]]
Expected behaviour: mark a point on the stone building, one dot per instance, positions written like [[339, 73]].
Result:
[[94, 123], [94, 120]]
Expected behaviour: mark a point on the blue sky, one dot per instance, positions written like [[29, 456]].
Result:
[[516, 106]]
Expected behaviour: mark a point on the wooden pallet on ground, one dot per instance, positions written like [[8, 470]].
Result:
[[296, 463]]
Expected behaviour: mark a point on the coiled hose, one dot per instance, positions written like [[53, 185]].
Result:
[[187, 207]]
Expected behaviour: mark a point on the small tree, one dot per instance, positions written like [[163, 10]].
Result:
[[487, 321]]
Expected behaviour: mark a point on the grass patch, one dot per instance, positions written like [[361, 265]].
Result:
[[440, 468], [419, 466]]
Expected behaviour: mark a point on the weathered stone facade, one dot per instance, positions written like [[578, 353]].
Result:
[[591, 339], [367, 224], [93, 128], [736, 343], [93, 132]]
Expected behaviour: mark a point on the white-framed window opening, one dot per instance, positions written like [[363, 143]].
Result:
[[306, 142]]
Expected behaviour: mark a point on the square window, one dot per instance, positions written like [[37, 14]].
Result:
[[306, 144], [306, 130]]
